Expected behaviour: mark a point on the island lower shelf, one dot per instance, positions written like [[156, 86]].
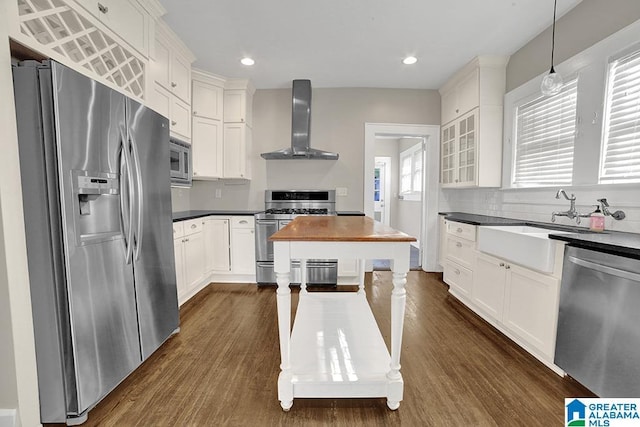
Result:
[[337, 349]]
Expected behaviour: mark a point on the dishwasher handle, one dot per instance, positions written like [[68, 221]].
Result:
[[605, 269]]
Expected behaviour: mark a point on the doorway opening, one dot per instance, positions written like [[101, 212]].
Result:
[[408, 157]]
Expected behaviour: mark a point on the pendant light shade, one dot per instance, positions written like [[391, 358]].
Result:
[[552, 82]]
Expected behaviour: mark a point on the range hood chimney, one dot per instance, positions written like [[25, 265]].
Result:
[[300, 126]]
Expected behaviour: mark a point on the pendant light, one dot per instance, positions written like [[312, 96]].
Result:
[[552, 82]]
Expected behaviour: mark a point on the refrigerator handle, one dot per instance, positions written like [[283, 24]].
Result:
[[140, 197], [124, 153]]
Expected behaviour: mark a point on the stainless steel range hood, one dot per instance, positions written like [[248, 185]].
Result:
[[300, 126]]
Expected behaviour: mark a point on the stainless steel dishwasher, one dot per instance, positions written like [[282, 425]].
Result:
[[598, 340]]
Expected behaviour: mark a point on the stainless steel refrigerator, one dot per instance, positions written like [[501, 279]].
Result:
[[97, 207]]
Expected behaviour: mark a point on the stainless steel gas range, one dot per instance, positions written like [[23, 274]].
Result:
[[281, 207]]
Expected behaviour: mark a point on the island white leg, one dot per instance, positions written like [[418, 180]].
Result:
[[303, 276], [282, 268], [399, 267], [361, 264]]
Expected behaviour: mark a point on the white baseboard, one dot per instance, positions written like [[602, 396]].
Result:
[[8, 418]]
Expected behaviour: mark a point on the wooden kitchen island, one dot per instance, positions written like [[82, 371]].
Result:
[[336, 349]]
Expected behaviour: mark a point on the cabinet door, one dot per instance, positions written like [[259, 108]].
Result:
[[194, 259], [531, 307], [466, 153], [125, 19], [448, 106], [243, 243], [181, 284], [234, 150], [216, 236], [181, 78], [160, 100], [235, 106], [207, 100], [206, 145], [159, 66], [448, 167], [489, 277], [180, 119], [468, 92]]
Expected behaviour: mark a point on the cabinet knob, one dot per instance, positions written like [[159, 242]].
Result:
[[242, 119], [244, 221], [459, 230], [174, 84], [173, 123], [507, 266], [458, 272], [502, 264], [193, 226], [459, 244], [102, 8], [195, 113]]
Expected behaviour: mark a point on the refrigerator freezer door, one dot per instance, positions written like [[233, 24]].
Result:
[[102, 311], [154, 265]]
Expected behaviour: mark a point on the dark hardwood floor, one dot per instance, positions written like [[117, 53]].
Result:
[[221, 369]]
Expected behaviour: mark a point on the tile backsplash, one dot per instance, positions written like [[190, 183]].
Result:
[[538, 204]]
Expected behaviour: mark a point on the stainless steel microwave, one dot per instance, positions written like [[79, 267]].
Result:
[[180, 155]]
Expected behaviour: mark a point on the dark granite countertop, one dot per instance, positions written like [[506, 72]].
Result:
[[184, 215], [350, 213], [613, 242]]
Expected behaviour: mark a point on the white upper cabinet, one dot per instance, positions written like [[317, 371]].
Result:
[[463, 97], [169, 82], [207, 130], [127, 19], [471, 140], [207, 95], [107, 40], [238, 102]]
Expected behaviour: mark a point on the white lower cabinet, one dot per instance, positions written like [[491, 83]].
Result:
[[488, 290], [521, 303], [243, 243], [190, 258], [216, 244], [531, 308], [459, 278]]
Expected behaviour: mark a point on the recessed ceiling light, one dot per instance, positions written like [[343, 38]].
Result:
[[409, 60], [247, 61]]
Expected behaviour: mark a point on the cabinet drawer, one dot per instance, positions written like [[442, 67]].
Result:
[[464, 231], [458, 277], [242, 222], [192, 226], [461, 251], [178, 229]]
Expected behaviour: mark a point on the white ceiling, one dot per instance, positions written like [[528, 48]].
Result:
[[353, 43]]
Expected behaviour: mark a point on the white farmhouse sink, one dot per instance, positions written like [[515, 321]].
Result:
[[524, 245]]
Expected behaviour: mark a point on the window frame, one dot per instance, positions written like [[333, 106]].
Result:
[[632, 51], [410, 153]]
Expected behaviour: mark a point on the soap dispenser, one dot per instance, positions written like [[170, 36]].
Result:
[[596, 220]]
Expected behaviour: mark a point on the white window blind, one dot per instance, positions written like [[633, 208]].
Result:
[[620, 158], [545, 135]]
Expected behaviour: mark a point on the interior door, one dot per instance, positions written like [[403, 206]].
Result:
[[154, 263]]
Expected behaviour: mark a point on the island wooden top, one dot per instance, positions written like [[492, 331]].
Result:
[[339, 229]]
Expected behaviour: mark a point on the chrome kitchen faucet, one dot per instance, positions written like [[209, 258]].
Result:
[[572, 213]]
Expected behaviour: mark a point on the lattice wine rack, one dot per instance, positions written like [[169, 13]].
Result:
[[54, 24]]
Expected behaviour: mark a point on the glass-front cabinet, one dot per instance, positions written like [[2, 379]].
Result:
[[458, 156]]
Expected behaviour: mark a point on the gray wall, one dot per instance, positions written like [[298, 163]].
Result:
[[589, 22], [337, 124]]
